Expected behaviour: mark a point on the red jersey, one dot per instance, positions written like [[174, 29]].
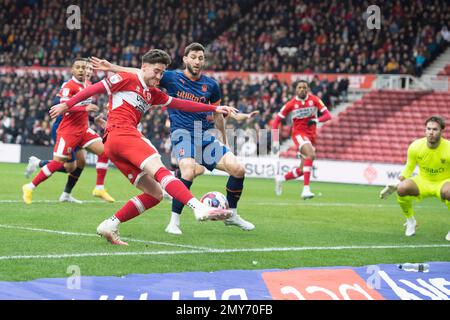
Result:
[[73, 122], [302, 111], [130, 98]]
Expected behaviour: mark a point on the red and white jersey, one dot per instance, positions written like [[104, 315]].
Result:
[[302, 111], [130, 98], [73, 122]]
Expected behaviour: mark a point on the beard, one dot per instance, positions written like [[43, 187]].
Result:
[[191, 70]]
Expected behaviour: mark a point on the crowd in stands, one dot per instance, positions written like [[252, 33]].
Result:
[[25, 99], [333, 36], [328, 36], [35, 32]]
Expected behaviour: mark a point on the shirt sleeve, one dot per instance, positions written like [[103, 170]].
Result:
[[159, 98], [66, 93], [285, 110], [410, 163], [216, 95], [322, 106], [116, 82]]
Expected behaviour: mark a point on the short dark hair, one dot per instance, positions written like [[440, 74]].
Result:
[[79, 59], [194, 46], [437, 119], [156, 56], [301, 81]]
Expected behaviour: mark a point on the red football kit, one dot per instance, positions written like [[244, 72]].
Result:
[[73, 131], [129, 99], [302, 111]]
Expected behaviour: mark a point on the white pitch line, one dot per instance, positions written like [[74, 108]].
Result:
[[68, 233], [236, 250], [259, 203]]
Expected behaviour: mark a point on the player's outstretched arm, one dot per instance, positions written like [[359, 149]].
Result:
[[245, 116], [88, 92], [219, 123], [326, 115], [105, 65], [191, 106]]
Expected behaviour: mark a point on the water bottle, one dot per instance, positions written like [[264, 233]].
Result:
[[415, 267]]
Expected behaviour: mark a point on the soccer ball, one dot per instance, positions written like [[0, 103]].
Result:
[[215, 199]]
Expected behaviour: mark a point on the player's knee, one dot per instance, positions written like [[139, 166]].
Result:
[[445, 194], [238, 171], [81, 163], [70, 166], [158, 195], [188, 173], [403, 190], [199, 171]]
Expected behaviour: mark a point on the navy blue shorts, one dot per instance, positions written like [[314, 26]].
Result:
[[207, 150]]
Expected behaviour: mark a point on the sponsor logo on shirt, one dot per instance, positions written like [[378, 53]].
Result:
[[304, 113]]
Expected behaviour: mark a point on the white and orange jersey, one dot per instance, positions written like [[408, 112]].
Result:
[[302, 111], [73, 122], [129, 98]]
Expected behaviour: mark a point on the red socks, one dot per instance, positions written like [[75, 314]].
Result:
[[102, 168], [46, 171], [307, 166], [173, 186], [293, 174], [136, 206]]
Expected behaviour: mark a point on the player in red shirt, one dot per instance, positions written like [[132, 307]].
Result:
[[131, 95], [304, 108], [73, 132], [74, 175]]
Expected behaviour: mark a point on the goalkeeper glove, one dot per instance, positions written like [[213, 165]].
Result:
[[312, 122]]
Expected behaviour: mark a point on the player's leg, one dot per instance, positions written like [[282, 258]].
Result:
[[95, 145], [290, 175], [445, 196], [407, 191], [188, 170], [151, 196], [173, 186], [308, 153], [73, 177], [102, 168], [63, 147], [235, 185]]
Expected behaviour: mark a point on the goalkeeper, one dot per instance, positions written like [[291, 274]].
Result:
[[432, 155]]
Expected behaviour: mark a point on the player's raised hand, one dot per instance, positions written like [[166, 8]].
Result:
[[92, 107], [226, 110], [101, 64], [58, 109]]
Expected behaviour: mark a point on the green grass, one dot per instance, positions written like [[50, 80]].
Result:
[[344, 215]]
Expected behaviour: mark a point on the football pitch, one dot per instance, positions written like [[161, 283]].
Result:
[[345, 225]]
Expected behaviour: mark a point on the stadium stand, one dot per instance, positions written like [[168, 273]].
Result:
[[241, 35], [326, 37], [268, 35], [379, 127], [34, 32], [26, 98], [445, 71]]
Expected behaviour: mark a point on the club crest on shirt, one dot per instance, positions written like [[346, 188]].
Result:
[[311, 102], [181, 152], [442, 161], [204, 88], [148, 95]]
